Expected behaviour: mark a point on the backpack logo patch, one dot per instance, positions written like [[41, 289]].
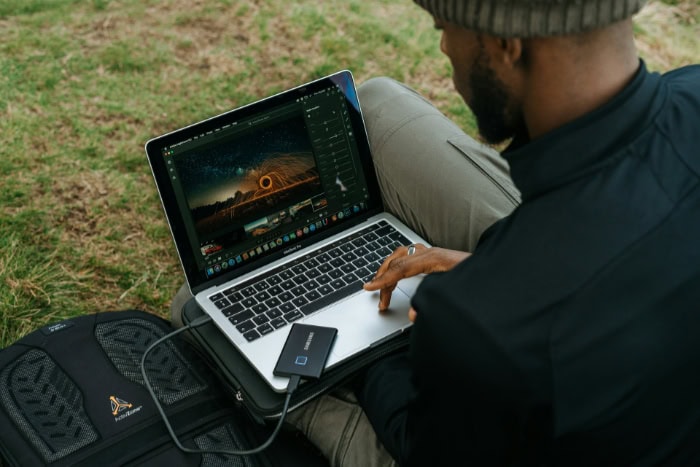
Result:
[[121, 408]]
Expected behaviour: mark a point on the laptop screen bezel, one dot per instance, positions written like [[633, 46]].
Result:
[[195, 277]]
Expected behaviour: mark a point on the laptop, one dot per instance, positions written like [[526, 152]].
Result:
[[277, 218]]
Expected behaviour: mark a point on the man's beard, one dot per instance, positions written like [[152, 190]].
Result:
[[489, 103]]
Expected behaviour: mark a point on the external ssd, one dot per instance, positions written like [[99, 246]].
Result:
[[306, 350]]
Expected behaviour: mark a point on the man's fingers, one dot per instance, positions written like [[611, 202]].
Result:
[[397, 266], [400, 252], [385, 297]]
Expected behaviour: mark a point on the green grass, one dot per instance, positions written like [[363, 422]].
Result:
[[83, 85]]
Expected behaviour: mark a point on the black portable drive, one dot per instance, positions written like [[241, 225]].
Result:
[[306, 350]]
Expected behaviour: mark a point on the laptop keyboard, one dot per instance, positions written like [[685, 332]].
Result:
[[309, 283]]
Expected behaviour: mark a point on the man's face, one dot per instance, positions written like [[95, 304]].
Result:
[[497, 113]]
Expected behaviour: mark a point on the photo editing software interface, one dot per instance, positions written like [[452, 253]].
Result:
[[264, 183]]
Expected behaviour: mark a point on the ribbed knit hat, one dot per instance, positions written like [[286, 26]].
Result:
[[531, 18]]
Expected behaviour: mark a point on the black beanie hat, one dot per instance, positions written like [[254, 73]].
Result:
[[531, 18]]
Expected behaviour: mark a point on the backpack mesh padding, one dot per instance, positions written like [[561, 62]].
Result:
[[170, 375], [226, 437], [46, 405]]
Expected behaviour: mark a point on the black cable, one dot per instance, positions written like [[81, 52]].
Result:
[[291, 387]]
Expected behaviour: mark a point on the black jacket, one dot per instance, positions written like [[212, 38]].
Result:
[[572, 335]]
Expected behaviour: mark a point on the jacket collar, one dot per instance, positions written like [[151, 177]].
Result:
[[586, 143]]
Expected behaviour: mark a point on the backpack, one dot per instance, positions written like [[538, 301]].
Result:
[[72, 393]]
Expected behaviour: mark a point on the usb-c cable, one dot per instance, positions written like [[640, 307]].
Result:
[[291, 387]]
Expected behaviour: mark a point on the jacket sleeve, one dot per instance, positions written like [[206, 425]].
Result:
[[385, 395], [455, 395]]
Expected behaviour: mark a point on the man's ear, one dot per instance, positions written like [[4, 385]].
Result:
[[514, 50], [507, 52]]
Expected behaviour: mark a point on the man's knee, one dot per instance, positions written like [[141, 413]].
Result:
[[178, 304]]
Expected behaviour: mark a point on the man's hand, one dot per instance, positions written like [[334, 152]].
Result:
[[399, 265]]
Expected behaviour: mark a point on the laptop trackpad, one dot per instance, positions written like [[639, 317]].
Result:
[[360, 324]]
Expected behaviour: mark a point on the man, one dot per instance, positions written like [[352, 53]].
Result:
[[570, 335]]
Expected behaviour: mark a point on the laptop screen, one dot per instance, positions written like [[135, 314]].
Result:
[[256, 183]]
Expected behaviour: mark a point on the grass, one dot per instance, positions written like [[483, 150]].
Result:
[[83, 85]]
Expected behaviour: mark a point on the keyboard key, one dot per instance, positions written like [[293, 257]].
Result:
[[386, 230], [348, 257], [335, 273], [324, 279], [312, 263], [298, 290], [293, 316], [251, 335], [241, 317], [366, 278], [331, 298], [372, 257], [384, 241], [276, 313], [371, 236], [216, 297], [300, 279], [312, 273], [310, 285], [248, 302], [373, 246], [265, 329], [398, 237], [335, 253], [285, 296], [325, 267], [313, 295], [248, 291], [262, 285], [286, 274], [360, 252], [384, 252], [298, 269], [288, 285], [259, 308], [300, 301], [222, 303], [275, 290], [337, 262], [245, 326], [232, 310], [358, 242], [361, 262], [278, 322], [347, 268], [262, 296], [284, 308], [394, 245], [274, 280], [233, 295], [350, 278], [323, 258], [363, 272], [338, 284], [325, 289], [261, 319]]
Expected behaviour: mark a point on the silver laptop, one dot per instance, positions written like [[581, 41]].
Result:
[[277, 218]]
